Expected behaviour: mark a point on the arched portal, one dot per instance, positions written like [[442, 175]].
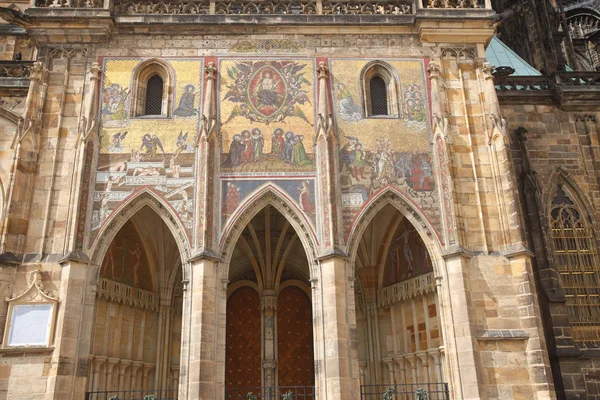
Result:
[[136, 337], [269, 340], [397, 309]]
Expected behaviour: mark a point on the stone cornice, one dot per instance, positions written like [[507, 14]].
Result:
[[92, 25]]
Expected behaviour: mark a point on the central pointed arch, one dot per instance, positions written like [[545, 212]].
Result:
[[268, 195]]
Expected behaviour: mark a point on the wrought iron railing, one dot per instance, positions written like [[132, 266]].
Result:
[[15, 69], [271, 393], [406, 391], [132, 395]]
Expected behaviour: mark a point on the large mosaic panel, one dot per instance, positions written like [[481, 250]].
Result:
[[380, 152], [267, 114], [146, 153]]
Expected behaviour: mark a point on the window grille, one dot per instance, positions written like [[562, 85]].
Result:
[[154, 96], [576, 259], [378, 91]]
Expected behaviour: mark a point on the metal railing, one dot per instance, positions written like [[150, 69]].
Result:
[[271, 393], [132, 395], [406, 391]]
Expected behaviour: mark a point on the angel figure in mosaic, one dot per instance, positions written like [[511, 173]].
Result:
[[116, 142], [151, 143]]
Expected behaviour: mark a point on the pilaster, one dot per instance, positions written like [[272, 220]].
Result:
[[68, 373], [329, 192], [199, 345], [207, 156], [27, 144], [337, 379]]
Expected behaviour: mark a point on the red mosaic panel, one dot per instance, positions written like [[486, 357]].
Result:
[[242, 354], [295, 338]]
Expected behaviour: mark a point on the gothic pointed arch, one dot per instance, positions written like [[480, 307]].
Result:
[[266, 195], [126, 211], [414, 216], [576, 259]]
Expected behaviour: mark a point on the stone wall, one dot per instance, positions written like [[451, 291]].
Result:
[[559, 147]]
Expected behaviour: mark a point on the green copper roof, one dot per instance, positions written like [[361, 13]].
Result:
[[500, 55]]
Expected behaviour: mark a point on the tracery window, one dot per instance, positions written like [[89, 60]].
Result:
[[380, 93], [578, 267]]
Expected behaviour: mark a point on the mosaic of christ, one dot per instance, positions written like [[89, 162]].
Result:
[[267, 109]]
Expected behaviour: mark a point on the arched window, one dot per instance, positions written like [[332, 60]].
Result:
[[578, 267], [154, 96], [152, 90], [380, 90]]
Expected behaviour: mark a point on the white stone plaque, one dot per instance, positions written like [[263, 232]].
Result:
[[30, 325]]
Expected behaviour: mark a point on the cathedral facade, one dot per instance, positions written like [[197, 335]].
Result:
[[299, 199]]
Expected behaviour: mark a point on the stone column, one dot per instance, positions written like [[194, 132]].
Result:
[[269, 359], [389, 362], [111, 363], [201, 380], [68, 373], [123, 365], [146, 368], [97, 364], [338, 383], [135, 367]]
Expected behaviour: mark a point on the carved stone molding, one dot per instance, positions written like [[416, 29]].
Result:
[[35, 291]]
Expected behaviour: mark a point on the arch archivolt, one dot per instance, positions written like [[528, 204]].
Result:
[[126, 211], [268, 195], [392, 197]]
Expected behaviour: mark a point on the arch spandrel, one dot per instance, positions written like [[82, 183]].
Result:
[[268, 195], [126, 211]]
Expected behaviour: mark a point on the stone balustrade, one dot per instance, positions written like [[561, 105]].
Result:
[[410, 288], [268, 7], [15, 69]]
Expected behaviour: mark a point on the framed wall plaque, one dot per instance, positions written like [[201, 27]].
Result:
[[31, 316]]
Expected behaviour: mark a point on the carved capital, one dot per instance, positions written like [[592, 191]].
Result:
[[323, 71], [211, 71], [95, 71], [435, 70]]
